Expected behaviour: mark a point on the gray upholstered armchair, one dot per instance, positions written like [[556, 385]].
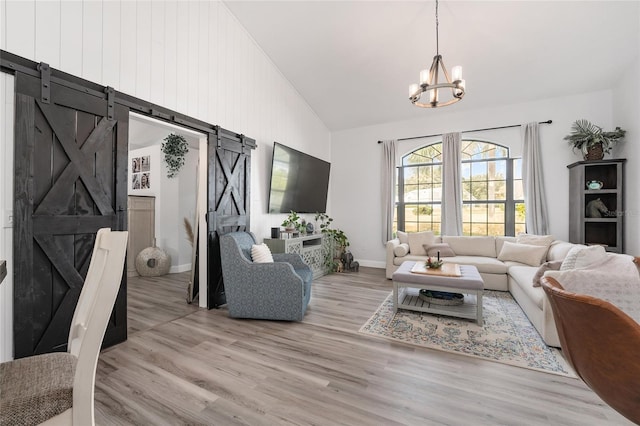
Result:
[[277, 291]]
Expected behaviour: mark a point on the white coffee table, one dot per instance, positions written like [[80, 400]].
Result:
[[406, 287]]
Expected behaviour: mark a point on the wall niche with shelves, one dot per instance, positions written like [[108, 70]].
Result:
[[591, 224]]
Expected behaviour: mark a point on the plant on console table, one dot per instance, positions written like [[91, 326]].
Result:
[[293, 222], [591, 140]]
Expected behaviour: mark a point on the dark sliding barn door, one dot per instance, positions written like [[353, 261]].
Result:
[[228, 199], [70, 180]]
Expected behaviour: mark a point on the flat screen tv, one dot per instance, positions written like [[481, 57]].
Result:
[[299, 182]]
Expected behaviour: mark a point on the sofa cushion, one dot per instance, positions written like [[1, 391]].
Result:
[[403, 237], [485, 265], [500, 241], [523, 276], [523, 253], [553, 265], [583, 257], [443, 248], [418, 239], [401, 250], [472, 246], [558, 250], [536, 240]]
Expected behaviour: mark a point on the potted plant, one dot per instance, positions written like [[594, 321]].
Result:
[[591, 140], [174, 148], [337, 242], [292, 222]]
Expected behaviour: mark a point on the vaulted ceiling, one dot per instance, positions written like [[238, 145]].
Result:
[[353, 61]]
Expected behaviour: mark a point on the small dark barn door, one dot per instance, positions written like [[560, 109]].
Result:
[[229, 199], [70, 181]]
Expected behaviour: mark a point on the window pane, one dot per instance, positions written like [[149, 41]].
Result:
[[479, 170], [479, 190], [496, 190], [466, 213], [518, 190], [437, 174], [520, 213], [466, 191], [517, 168], [466, 171], [495, 213], [410, 193], [497, 170], [495, 229], [520, 229]]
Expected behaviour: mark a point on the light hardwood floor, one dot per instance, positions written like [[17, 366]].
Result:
[[184, 365]]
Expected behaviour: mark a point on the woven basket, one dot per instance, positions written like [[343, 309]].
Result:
[[428, 296], [594, 152]]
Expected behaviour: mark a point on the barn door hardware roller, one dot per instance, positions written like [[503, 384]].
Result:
[[110, 101], [45, 82]]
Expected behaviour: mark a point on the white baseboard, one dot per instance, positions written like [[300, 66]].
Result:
[[180, 268], [372, 263]]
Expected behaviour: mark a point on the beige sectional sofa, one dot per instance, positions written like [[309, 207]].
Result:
[[515, 277]]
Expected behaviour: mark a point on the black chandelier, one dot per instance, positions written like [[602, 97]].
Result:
[[429, 85]]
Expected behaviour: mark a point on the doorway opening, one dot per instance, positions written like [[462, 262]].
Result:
[[168, 213]]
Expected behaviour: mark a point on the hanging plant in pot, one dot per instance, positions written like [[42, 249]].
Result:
[[174, 148], [591, 140]]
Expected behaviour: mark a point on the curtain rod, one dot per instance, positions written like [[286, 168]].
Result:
[[468, 131]]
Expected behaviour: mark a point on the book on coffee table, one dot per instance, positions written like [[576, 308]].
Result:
[[446, 270]]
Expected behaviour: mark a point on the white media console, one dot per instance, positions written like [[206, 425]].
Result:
[[312, 248]]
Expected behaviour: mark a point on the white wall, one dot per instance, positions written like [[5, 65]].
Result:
[[192, 57], [626, 114], [355, 197]]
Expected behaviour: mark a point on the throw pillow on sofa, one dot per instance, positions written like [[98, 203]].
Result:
[[444, 249], [403, 237], [260, 253], [553, 265], [581, 256], [401, 250], [524, 253], [536, 240], [418, 239]]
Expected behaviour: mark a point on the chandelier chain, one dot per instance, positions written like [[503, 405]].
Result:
[[437, 24]]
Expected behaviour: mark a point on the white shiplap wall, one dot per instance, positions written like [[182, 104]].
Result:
[[190, 56]]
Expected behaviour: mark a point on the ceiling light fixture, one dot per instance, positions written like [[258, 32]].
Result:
[[429, 81]]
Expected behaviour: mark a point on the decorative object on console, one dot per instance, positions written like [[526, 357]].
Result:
[[595, 184], [429, 81], [174, 148], [432, 263], [596, 208], [294, 222], [591, 140]]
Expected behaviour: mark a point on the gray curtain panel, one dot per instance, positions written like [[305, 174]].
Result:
[[451, 185], [388, 186], [534, 194]]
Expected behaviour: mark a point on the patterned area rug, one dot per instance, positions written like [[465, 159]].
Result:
[[507, 336]]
